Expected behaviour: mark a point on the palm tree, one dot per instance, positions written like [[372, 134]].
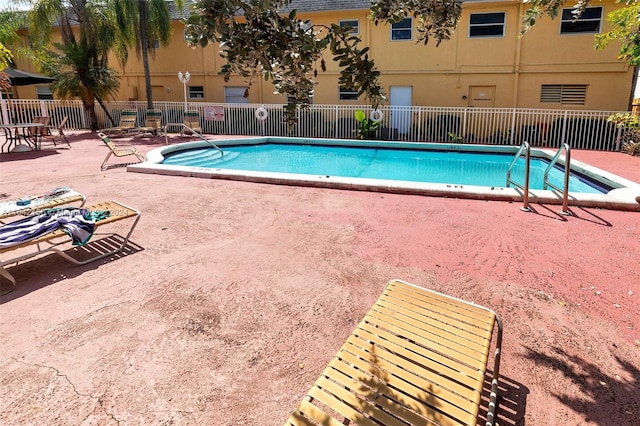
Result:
[[141, 23], [81, 69]]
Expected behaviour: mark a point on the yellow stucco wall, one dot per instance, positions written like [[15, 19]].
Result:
[[511, 68]]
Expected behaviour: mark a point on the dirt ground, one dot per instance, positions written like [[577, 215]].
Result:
[[233, 296]]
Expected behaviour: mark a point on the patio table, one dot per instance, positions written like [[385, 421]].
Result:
[[14, 133]]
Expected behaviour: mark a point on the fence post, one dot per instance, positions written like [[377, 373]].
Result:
[[464, 123], [5, 111], [513, 127], [563, 134]]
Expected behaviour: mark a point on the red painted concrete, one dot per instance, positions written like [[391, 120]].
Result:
[[235, 296]]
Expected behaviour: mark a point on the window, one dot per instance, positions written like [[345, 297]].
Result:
[[43, 92], [196, 92], [353, 23], [588, 22], [348, 94], [402, 30], [487, 24], [236, 95], [564, 94], [156, 44]]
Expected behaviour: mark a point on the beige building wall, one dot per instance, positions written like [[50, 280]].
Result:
[[501, 72]]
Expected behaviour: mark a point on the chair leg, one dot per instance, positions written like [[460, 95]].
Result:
[[104, 163], [65, 139]]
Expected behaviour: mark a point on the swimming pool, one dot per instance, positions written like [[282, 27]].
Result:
[[456, 170]]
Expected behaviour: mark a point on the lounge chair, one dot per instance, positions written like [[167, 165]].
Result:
[[417, 357], [49, 132], [119, 151], [58, 197], [126, 125], [191, 123], [52, 241], [153, 123]]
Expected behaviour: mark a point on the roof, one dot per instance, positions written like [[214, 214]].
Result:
[[300, 5]]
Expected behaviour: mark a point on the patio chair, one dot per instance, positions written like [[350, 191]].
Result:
[[126, 125], [52, 240], [119, 151], [27, 205], [153, 123], [34, 133], [417, 357], [191, 123], [48, 133]]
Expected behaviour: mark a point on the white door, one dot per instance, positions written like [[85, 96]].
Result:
[[400, 111]]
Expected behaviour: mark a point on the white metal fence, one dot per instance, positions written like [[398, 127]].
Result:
[[510, 126]]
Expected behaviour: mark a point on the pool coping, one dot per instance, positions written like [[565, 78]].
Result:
[[625, 197]]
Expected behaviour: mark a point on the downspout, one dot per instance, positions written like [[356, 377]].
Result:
[[516, 60]]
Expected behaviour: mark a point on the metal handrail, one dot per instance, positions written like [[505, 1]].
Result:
[[567, 171], [527, 148], [184, 126]]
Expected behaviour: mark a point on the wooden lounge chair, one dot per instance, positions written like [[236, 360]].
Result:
[[191, 123], [126, 125], [52, 241], [57, 198], [119, 151], [153, 123], [418, 357], [49, 133]]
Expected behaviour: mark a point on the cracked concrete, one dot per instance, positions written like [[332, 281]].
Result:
[[234, 296]]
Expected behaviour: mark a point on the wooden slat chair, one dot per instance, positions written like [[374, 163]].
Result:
[[192, 123], [119, 151], [418, 357], [153, 123], [53, 132], [52, 241], [126, 125]]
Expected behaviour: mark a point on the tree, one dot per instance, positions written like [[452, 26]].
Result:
[[260, 42], [140, 23], [81, 69]]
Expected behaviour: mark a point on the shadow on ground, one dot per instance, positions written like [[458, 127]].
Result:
[[512, 401], [41, 272], [603, 400]]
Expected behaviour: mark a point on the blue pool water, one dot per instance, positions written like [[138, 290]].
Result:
[[460, 168]]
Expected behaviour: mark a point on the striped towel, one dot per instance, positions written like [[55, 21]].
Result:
[[79, 224]]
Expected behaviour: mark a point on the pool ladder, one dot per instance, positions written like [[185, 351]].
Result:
[[567, 170], [185, 127], [526, 148]]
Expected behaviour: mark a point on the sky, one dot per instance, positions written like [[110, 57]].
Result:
[[6, 3]]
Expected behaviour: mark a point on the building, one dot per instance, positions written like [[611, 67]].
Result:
[[485, 64]]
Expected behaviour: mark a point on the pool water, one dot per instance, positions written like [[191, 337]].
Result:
[[447, 167]]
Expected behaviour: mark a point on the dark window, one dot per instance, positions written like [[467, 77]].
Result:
[[354, 24], [196, 92], [588, 22], [487, 24], [348, 94], [402, 30]]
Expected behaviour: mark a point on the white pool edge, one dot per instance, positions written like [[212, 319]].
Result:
[[625, 198]]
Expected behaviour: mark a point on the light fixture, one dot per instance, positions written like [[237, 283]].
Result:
[[184, 79]]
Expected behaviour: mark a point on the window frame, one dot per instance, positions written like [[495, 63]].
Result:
[[193, 93], [503, 24], [356, 28], [349, 94], [569, 22], [410, 29], [47, 95]]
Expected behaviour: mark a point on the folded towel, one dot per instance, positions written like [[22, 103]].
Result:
[[79, 224]]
